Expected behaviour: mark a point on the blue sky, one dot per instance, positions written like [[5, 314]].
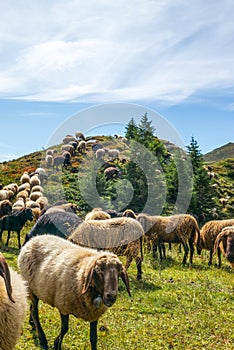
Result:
[[59, 58]]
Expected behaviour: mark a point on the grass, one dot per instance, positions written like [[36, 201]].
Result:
[[173, 307]]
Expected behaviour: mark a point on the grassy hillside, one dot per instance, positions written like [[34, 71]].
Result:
[[173, 307], [220, 153]]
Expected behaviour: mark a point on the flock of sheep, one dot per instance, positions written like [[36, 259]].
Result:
[[73, 264]]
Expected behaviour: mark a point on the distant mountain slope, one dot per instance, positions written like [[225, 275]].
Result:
[[221, 153]]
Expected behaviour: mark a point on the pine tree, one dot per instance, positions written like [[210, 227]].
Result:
[[203, 196]]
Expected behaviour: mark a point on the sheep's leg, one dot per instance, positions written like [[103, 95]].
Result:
[[64, 330], [211, 255], [8, 238], [219, 257], [186, 251], [154, 250], [128, 261], [139, 269], [35, 318], [18, 235], [191, 250], [93, 335]]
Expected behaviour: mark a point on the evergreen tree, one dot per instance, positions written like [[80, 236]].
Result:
[[131, 130], [203, 196]]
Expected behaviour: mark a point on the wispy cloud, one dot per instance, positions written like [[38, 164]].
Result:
[[113, 51]]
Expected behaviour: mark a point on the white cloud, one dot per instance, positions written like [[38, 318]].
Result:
[[111, 51]]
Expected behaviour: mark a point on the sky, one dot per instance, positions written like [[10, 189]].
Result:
[[107, 61]]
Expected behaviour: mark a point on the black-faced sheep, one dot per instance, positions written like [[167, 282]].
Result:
[[5, 207], [181, 228], [15, 222], [76, 280], [122, 236], [209, 232], [225, 240], [79, 135], [13, 305]]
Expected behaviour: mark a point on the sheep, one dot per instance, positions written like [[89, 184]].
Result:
[[68, 148], [19, 204], [15, 222], [24, 187], [6, 194], [82, 147], [12, 187], [209, 232], [37, 188], [13, 305], [111, 173], [35, 195], [76, 280], [113, 153], [97, 214], [5, 207], [68, 139], [97, 146], [54, 223], [225, 240], [68, 207], [79, 135], [99, 154], [181, 228], [35, 181], [42, 202], [31, 204], [59, 161], [22, 194], [121, 236], [25, 178], [49, 160]]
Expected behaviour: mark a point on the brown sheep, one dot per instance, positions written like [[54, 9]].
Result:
[[118, 235], [181, 228], [209, 232], [225, 240]]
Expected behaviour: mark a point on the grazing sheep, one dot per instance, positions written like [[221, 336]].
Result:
[[24, 187], [68, 207], [181, 228], [82, 147], [15, 222], [22, 194], [68, 139], [31, 204], [68, 148], [42, 202], [37, 188], [209, 232], [6, 194], [122, 236], [111, 173], [12, 187], [13, 305], [5, 207], [25, 178], [35, 181], [225, 240], [19, 204], [97, 214], [49, 160], [97, 146], [113, 153], [35, 195], [100, 153], [59, 161], [76, 280], [79, 135], [54, 223]]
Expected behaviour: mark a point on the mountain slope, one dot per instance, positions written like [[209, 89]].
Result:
[[220, 153]]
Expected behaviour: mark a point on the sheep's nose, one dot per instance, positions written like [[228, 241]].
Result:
[[110, 298]]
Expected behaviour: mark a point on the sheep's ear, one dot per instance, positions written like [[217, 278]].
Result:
[[88, 281], [124, 277], [218, 240], [5, 273]]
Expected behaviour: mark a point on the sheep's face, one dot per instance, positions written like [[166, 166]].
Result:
[[230, 249], [106, 275]]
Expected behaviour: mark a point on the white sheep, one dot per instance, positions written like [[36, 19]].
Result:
[[35, 181], [35, 195], [13, 305], [49, 160], [82, 147], [25, 178], [76, 280], [6, 194], [12, 186]]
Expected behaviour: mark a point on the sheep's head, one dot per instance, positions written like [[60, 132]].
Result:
[[226, 237], [5, 273], [104, 276]]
